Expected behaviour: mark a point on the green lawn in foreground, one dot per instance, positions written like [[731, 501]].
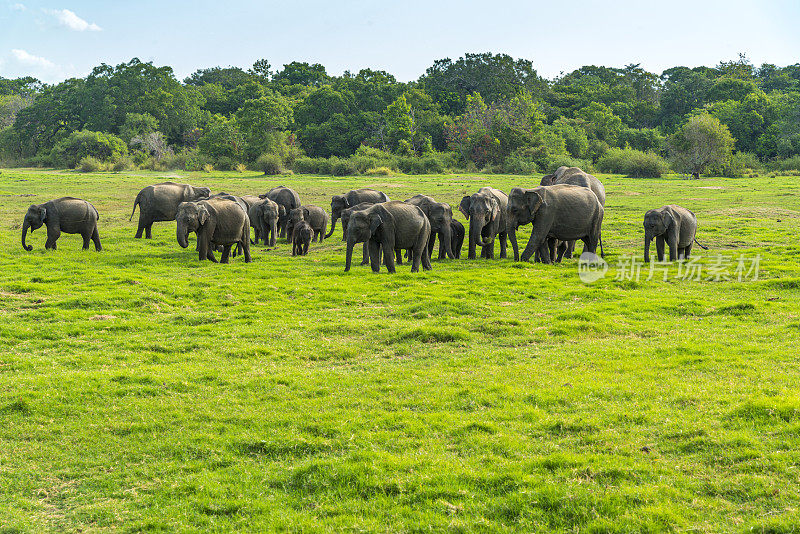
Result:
[[143, 390]]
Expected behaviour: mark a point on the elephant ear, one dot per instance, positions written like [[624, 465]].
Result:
[[42, 214], [375, 222], [494, 208], [536, 200], [669, 220], [281, 210], [464, 206], [202, 215], [547, 180]]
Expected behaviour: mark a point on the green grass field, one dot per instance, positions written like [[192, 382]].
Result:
[[143, 390]]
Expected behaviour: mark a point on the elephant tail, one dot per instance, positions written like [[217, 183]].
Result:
[[602, 255], [699, 245], [135, 203]]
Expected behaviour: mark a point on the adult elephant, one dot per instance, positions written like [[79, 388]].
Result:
[[340, 203], [674, 225], [217, 222], [574, 176], [486, 211], [345, 216], [564, 212], [159, 202], [440, 215], [286, 197], [263, 214], [66, 214], [313, 215], [390, 226]]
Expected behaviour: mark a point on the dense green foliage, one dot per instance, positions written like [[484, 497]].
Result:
[[144, 391], [488, 110]]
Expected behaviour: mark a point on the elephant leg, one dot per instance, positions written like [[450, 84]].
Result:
[[551, 248], [660, 248], [375, 255], [140, 229], [365, 257], [87, 238], [246, 251], [673, 249], [96, 239], [52, 237], [399, 255], [148, 231], [544, 253], [563, 248], [503, 245], [388, 256], [687, 251], [226, 253], [305, 249]]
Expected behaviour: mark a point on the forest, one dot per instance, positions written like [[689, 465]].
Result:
[[482, 112]]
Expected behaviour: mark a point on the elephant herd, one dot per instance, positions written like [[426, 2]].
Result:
[[567, 206]]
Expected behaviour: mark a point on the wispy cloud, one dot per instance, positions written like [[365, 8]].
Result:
[[29, 60], [70, 20], [19, 7]]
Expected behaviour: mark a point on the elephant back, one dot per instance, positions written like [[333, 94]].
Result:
[[576, 176]]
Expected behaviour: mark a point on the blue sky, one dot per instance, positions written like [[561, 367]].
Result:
[[56, 39]]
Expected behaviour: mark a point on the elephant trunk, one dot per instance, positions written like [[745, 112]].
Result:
[[512, 236], [475, 230], [648, 237], [183, 237], [25, 226], [446, 239], [351, 243], [333, 227], [273, 239]]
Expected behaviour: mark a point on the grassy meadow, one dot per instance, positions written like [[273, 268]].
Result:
[[144, 391]]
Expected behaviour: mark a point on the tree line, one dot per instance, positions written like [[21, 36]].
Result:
[[481, 111]]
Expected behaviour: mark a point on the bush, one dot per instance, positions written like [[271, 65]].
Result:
[[123, 164], [176, 162], [324, 165], [379, 171], [102, 146], [788, 164], [520, 163], [551, 163], [224, 163], [305, 165], [343, 167], [240, 168], [633, 163], [90, 164], [195, 161], [208, 168], [270, 164]]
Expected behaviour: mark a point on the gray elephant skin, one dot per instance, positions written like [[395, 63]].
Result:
[[563, 212], [313, 215], [486, 213], [216, 222], [160, 202], [388, 227], [345, 216], [340, 203], [263, 214], [440, 215], [457, 231], [68, 215], [573, 176], [674, 225], [286, 197], [302, 233]]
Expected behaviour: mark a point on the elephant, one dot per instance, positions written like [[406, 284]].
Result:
[[66, 214], [286, 197], [314, 215], [440, 215], [340, 203], [216, 222], [345, 216], [301, 238], [487, 211], [160, 203], [457, 232], [387, 227], [564, 212], [673, 224], [263, 214], [574, 176]]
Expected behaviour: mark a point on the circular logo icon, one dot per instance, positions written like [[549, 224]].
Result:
[[591, 268]]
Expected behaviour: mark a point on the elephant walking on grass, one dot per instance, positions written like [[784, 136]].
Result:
[[302, 234], [315, 216], [674, 225], [216, 222], [390, 226], [68, 215], [160, 202], [286, 197], [486, 211], [440, 215], [340, 203], [263, 214], [563, 212], [345, 216]]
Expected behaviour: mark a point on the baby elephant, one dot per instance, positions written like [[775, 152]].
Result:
[[301, 238], [673, 224], [313, 215], [68, 215]]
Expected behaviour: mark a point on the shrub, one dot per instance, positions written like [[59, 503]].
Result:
[[633, 162], [788, 164], [208, 167], [379, 171], [195, 161], [270, 164], [102, 146], [551, 163], [176, 162], [123, 164], [224, 163], [305, 165], [90, 164], [343, 167], [324, 165], [240, 168]]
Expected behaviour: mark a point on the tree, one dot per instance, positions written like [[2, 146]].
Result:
[[225, 77], [297, 73], [701, 142], [260, 119], [262, 70], [137, 125], [222, 139]]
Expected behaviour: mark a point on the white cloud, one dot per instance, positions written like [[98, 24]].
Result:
[[72, 21], [19, 7], [29, 60]]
